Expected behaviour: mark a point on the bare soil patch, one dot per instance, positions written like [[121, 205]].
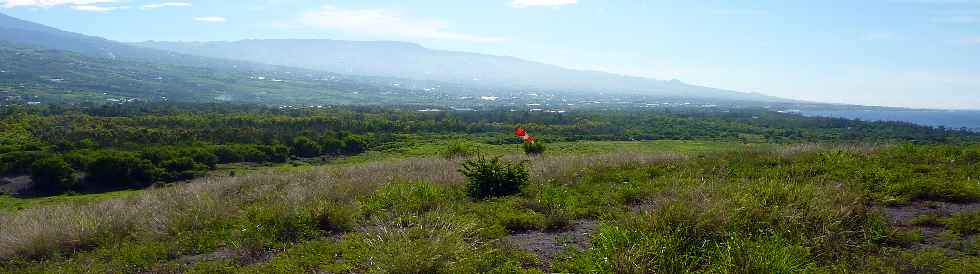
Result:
[[548, 244], [932, 234], [15, 185]]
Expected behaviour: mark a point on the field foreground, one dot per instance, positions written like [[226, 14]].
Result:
[[802, 208]]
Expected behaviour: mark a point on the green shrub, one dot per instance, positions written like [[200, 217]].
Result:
[[491, 177], [305, 147], [332, 144], [334, 217], [19, 162], [354, 144], [53, 175], [183, 168], [228, 154], [114, 170], [533, 148], [178, 164], [456, 150], [964, 222], [275, 153], [343, 143], [205, 157]]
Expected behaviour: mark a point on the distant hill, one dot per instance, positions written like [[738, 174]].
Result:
[[46, 75], [22, 32], [45, 64], [412, 61]]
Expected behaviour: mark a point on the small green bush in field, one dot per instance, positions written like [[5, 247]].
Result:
[[533, 148], [491, 177]]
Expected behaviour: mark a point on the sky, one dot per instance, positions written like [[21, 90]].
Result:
[[907, 53]]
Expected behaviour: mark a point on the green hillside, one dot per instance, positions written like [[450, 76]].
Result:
[[52, 76]]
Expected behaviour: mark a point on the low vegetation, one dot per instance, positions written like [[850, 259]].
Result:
[[533, 148], [112, 147], [490, 177], [363, 189], [801, 208]]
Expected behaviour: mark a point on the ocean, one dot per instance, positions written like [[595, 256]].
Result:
[[953, 119]]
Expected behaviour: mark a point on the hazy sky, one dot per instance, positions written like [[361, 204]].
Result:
[[917, 53]]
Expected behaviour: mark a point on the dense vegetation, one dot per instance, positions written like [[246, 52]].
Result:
[[135, 145]]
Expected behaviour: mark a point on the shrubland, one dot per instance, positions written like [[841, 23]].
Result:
[[169, 142], [381, 190], [794, 208]]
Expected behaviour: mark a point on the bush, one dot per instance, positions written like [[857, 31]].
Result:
[[456, 150], [494, 178], [205, 157], [229, 154], [52, 175], [332, 144], [276, 153], [183, 168], [304, 147], [343, 143], [20, 162], [533, 148], [964, 222], [121, 170], [354, 144]]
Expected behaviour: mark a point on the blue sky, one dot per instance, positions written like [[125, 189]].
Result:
[[914, 53]]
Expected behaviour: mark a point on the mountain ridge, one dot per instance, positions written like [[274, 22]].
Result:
[[369, 64], [414, 61]]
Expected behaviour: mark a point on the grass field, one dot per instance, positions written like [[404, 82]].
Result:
[[412, 149], [10, 203], [589, 208]]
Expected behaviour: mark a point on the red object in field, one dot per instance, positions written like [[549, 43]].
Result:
[[520, 132]]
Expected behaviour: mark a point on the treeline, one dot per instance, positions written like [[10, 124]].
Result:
[[88, 168], [136, 125]]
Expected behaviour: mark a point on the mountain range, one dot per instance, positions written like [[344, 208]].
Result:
[[412, 61], [46, 62]]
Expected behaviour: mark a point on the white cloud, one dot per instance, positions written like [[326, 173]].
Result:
[[211, 19], [384, 22], [534, 3], [99, 9], [165, 4], [52, 3]]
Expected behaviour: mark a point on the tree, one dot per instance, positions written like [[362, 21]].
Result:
[[354, 144], [115, 170], [53, 175], [305, 147]]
